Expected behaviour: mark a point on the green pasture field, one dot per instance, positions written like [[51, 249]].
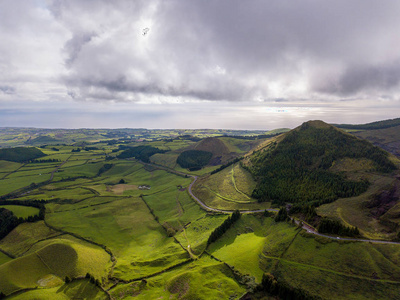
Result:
[[89, 170], [9, 185], [73, 193], [26, 172], [321, 266], [4, 258], [24, 236], [22, 273], [174, 207], [47, 266], [78, 289], [165, 159], [126, 226], [21, 211], [242, 245], [200, 279], [198, 231], [8, 166]]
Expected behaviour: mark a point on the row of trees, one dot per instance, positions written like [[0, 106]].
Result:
[[39, 161], [220, 230], [271, 285]]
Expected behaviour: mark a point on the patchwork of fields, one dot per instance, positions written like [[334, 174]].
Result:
[[123, 229]]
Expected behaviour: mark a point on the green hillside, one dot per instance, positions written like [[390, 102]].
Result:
[[297, 169]]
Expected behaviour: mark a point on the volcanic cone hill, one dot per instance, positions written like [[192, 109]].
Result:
[[299, 168]]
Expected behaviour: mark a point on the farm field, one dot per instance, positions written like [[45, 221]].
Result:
[[129, 229]]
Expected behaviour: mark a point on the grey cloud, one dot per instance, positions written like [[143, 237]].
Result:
[[6, 89], [359, 78], [74, 46], [252, 43], [297, 51]]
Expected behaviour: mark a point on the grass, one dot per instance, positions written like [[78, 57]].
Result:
[[129, 230], [228, 189], [21, 211], [353, 211], [48, 265], [8, 166], [24, 236], [79, 289], [241, 246], [4, 258], [328, 268], [198, 231], [201, 279], [9, 185]]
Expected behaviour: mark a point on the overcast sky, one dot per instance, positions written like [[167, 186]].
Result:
[[198, 64]]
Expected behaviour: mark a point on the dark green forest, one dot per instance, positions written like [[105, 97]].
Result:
[[296, 169], [194, 159], [20, 154], [142, 153]]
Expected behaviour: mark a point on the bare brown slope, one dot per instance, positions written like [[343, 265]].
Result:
[[388, 138]]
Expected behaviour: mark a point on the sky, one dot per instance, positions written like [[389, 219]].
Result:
[[228, 64]]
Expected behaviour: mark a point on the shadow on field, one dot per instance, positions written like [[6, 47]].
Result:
[[79, 289]]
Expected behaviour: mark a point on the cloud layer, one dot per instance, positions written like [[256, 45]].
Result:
[[298, 52]]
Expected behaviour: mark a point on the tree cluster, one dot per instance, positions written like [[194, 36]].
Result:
[[8, 221], [271, 285], [76, 150], [220, 230], [335, 227], [90, 148], [282, 215], [20, 154], [142, 153], [194, 159], [308, 211], [93, 280]]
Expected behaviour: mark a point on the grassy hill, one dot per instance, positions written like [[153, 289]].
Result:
[[48, 266], [298, 168]]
